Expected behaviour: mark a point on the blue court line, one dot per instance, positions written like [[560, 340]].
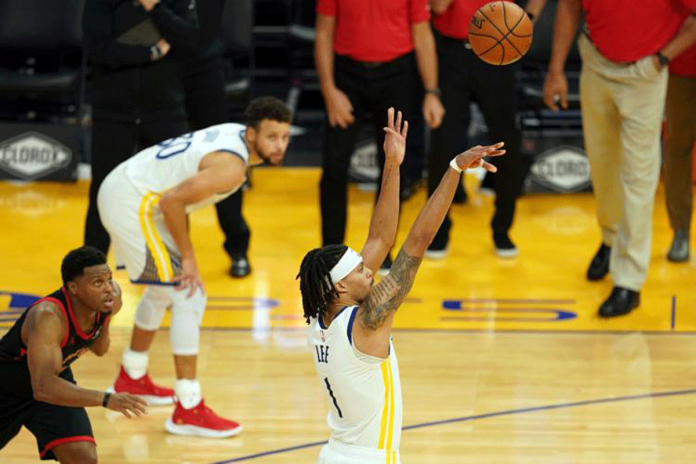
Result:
[[674, 310], [508, 412]]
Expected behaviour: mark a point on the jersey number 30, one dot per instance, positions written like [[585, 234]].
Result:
[[171, 147]]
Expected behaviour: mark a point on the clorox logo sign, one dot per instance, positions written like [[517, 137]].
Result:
[[33, 155], [562, 169]]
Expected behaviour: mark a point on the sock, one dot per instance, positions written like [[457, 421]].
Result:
[[188, 392], [135, 363]]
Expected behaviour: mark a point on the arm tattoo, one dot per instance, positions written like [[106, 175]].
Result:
[[387, 296]]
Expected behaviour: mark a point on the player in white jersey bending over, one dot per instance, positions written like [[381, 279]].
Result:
[[351, 320], [143, 203]]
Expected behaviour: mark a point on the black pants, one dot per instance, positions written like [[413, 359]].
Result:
[[370, 88], [206, 106], [463, 75], [112, 143]]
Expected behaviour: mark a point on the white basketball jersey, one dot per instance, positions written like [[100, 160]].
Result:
[[167, 164], [363, 392]]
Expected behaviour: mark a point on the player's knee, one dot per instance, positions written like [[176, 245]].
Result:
[[76, 453], [150, 311], [184, 333], [185, 305]]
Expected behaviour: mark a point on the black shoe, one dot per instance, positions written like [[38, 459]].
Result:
[[620, 302], [504, 246], [460, 196], [386, 266], [679, 251], [240, 266], [599, 267], [436, 251]]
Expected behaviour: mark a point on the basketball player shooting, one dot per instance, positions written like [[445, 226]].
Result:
[[37, 389], [351, 320], [143, 204]]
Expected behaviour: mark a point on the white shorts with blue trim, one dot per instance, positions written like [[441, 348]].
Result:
[[140, 239]]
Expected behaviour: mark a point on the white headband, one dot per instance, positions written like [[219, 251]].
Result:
[[345, 265]]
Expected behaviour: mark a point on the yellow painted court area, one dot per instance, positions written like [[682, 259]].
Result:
[[502, 361]]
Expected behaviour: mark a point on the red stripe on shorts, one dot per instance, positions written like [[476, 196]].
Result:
[[62, 441]]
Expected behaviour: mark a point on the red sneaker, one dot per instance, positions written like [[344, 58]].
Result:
[[200, 421], [144, 388]]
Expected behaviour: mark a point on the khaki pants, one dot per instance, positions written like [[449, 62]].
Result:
[[680, 111], [622, 108]]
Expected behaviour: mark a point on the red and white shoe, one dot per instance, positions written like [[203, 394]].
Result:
[[200, 421], [144, 388]]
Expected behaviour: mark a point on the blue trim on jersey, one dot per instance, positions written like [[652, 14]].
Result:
[[321, 319], [342, 309], [350, 325], [234, 153]]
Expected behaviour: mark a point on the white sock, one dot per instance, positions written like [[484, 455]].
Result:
[[135, 363], [188, 392]]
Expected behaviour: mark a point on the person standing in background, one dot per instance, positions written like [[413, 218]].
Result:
[[680, 112], [625, 51], [138, 97], [367, 55], [463, 75], [206, 105]]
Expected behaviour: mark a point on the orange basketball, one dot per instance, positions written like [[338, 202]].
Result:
[[500, 33]]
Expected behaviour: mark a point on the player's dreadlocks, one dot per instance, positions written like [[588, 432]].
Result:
[[315, 280]]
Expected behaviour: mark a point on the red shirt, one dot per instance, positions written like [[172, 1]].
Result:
[[628, 30], [684, 64], [374, 30], [454, 21]]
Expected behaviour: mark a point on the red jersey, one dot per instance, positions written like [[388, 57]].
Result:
[[374, 30], [628, 30]]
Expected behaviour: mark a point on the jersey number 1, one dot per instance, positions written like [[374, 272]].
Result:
[[331, 394]]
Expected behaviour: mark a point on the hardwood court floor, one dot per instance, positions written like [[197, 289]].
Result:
[[502, 361]]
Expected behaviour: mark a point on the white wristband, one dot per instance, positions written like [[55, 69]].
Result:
[[454, 165]]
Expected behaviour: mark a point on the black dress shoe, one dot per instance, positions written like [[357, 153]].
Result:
[[599, 267], [240, 266], [620, 302], [679, 251], [385, 267]]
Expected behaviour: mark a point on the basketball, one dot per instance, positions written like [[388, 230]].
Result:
[[500, 33]]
